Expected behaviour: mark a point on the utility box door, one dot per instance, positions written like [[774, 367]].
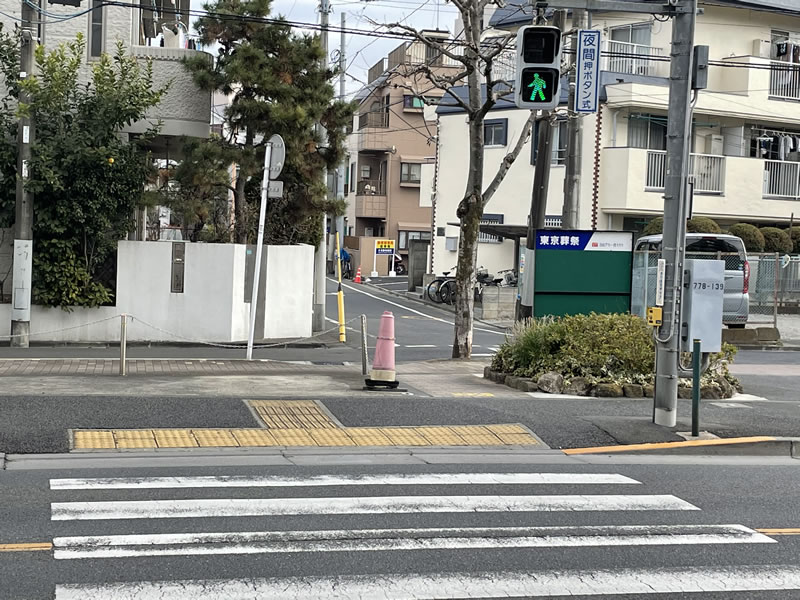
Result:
[[703, 294]]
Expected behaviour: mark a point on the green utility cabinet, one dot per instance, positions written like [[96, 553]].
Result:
[[579, 272]]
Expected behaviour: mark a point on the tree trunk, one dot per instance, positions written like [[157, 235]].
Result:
[[239, 198], [469, 213], [465, 279], [239, 202]]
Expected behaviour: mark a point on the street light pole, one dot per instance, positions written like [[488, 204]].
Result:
[[23, 225]]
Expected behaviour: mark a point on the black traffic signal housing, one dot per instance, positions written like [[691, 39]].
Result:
[[538, 80]]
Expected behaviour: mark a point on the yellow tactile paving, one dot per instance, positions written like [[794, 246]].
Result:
[[368, 436], [214, 438], [404, 436], [293, 437], [518, 439], [476, 435], [454, 435], [506, 428], [254, 437], [440, 436], [175, 438], [134, 438], [332, 437], [93, 440], [292, 414]]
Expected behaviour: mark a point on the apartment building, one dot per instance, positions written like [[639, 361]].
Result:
[[745, 132], [156, 32], [393, 137]]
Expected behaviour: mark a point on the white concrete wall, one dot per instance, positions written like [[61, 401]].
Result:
[[289, 291], [212, 307]]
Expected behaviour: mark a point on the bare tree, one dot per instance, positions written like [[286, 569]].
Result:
[[475, 59]]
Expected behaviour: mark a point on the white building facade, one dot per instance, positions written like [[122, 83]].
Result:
[[745, 139]]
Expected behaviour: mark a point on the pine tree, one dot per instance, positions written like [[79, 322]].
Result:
[[275, 83]]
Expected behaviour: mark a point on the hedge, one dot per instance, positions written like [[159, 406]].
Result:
[[776, 240], [751, 236]]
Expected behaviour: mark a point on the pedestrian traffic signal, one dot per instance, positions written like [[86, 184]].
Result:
[[538, 67]]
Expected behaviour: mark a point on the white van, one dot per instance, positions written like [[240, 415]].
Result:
[[708, 246]]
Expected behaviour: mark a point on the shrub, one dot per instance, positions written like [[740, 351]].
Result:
[[751, 236], [695, 225], [600, 346], [776, 240], [653, 227], [702, 225], [794, 233]]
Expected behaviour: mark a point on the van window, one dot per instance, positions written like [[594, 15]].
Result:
[[712, 245], [708, 248], [645, 246]]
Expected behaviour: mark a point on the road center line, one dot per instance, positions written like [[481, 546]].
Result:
[[26, 547]]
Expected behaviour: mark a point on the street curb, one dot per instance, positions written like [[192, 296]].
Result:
[[427, 304], [742, 446], [771, 348]]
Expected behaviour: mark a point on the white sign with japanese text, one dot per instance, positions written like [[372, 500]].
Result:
[[587, 75]]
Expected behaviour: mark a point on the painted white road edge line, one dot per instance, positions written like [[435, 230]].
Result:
[[119, 483], [455, 585], [253, 507], [186, 544]]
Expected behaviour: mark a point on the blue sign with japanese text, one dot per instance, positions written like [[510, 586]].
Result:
[[587, 75]]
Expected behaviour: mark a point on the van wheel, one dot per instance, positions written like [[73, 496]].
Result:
[[736, 325]]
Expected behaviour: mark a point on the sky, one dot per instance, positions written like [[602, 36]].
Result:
[[363, 51]]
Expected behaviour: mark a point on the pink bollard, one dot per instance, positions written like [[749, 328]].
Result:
[[383, 369]]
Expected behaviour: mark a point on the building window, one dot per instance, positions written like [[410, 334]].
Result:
[[636, 33], [647, 131], [495, 132], [403, 237], [410, 172], [490, 219], [552, 222], [96, 29], [413, 102]]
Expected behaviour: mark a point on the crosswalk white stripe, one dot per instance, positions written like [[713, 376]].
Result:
[[244, 507], [704, 580], [119, 483], [186, 544]]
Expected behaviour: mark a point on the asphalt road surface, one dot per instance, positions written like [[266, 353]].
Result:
[[552, 526]]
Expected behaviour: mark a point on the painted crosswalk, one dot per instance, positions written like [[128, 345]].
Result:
[[105, 520]]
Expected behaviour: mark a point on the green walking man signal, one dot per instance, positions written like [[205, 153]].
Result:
[[538, 67], [538, 84]]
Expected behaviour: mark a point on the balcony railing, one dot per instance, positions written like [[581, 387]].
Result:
[[784, 80], [417, 53], [373, 119], [708, 171], [633, 59], [781, 179], [371, 187]]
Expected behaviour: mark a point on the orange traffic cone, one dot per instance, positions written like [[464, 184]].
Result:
[[358, 276]]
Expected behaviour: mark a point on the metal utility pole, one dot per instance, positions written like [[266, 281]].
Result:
[[541, 183], [23, 225], [675, 200], [343, 166], [320, 266], [570, 215]]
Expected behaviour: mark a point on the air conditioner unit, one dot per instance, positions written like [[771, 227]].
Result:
[[715, 144], [762, 48]]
